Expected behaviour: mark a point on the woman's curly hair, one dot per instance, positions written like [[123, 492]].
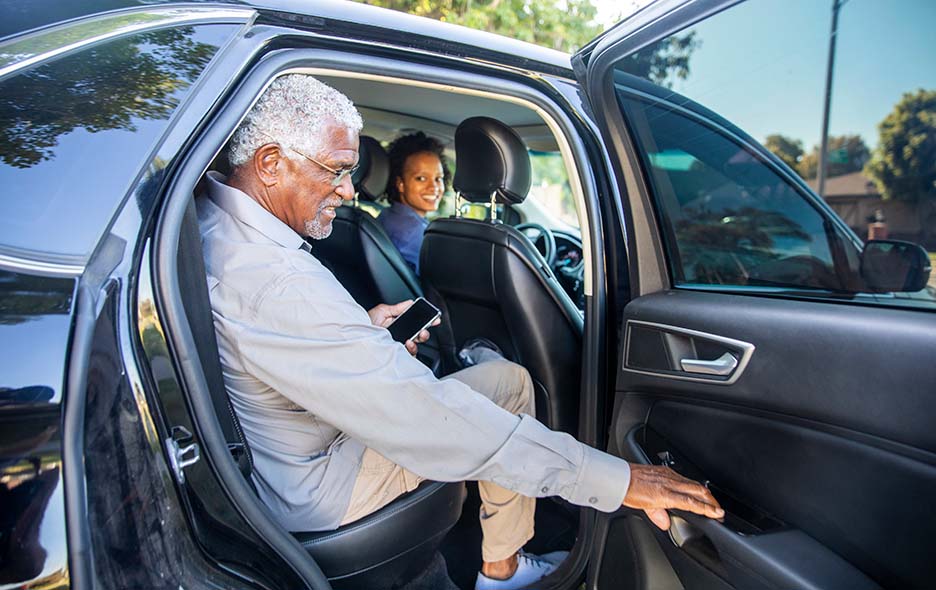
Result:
[[405, 146]]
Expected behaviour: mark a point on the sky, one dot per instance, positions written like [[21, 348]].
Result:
[[762, 64]]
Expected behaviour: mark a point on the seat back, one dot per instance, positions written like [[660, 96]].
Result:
[[359, 253], [491, 282]]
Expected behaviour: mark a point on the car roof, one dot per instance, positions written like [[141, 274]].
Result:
[[340, 18]]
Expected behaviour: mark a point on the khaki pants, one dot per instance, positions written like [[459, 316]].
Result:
[[506, 516]]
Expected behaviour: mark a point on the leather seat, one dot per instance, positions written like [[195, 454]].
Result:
[[491, 282], [384, 550], [359, 253]]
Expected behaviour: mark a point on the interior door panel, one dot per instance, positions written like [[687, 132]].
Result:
[[822, 452]]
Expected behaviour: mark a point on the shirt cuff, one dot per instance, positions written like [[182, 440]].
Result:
[[602, 481]]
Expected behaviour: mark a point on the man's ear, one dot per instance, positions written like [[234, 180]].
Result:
[[269, 164]]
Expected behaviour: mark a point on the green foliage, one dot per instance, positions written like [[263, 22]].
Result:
[[846, 154], [787, 149], [562, 25], [903, 165]]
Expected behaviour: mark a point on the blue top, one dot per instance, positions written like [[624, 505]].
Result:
[[405, 228]]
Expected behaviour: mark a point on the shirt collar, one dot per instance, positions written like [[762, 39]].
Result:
[[242, 207]]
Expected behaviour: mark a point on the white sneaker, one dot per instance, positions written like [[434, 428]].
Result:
[[530, 569]]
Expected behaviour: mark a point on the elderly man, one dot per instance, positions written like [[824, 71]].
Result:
[[341, 418]]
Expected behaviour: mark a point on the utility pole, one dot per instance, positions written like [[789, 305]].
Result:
[[824, 143]]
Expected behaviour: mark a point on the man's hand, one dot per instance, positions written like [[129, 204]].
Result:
[[383, 315], [653, 489]]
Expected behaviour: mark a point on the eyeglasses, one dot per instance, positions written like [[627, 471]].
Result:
[[339, 174]]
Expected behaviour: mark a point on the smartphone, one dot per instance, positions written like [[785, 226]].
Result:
[[414, 320]]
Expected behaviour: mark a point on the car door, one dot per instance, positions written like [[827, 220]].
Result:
[[756, 352]]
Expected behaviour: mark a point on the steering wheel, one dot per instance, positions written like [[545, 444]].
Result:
[[549, 240]]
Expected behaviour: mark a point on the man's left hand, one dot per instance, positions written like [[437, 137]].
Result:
[[383, 315]]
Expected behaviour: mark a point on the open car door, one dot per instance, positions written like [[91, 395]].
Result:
[[757, 352]]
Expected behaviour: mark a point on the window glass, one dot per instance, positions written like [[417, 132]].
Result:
[[771, 67], [74, 133], [550, 187], [732, 220]]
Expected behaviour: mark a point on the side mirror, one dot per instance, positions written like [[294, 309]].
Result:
[[892, 265]]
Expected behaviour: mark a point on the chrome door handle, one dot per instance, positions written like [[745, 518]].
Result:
[[721, 367]]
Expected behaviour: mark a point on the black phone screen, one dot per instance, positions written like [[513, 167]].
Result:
[[418, 316]]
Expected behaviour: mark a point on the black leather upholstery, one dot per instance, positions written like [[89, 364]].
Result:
[[381, 551], [359, 253], [373, 171], [490, 281], [407, 533], [491, 159]]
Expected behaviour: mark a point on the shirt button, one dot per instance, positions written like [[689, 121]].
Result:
[[545, 489], [593, 500]]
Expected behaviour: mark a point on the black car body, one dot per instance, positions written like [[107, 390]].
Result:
[[819, 438]]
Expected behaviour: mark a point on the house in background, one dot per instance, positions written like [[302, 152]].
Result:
[[855, 199]]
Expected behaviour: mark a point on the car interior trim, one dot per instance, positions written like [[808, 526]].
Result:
[[746, 349], [47, 43]]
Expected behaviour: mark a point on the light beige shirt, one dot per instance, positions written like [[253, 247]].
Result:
[[313, 383]]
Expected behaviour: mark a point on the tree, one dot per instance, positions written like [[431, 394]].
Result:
[[565, 25], [787, 149], [904, 163], [847, 153]]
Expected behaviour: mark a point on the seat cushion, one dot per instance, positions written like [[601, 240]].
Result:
[[409, 528]]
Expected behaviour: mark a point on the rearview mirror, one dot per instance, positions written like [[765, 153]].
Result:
[[892, 265]]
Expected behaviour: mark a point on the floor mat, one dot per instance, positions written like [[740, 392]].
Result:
[[435, 577], [555, 530]]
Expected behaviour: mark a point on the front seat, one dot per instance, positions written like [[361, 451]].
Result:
[[382, 551], [491, 282], [359, 253]]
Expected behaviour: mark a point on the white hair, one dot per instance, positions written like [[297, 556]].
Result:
[[291, 113]]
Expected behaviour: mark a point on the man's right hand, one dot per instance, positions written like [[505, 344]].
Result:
[[653, 489]]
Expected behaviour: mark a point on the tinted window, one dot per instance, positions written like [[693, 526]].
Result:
[[731, 220], [75, 132], [766, 67]]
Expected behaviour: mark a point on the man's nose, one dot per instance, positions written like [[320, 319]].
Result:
[[345, 188]]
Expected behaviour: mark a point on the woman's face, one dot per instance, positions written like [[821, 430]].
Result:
[[422, 183]]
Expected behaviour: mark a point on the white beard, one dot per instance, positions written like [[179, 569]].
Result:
[[315, 230]]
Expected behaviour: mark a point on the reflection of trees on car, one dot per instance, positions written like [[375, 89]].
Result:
[[728, 246], [663, 61], [153, 67]]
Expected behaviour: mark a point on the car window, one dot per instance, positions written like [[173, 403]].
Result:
[[731, 220], [75, 131], [850, 107], [550, 187]]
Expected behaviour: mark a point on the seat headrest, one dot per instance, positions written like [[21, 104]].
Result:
[[370, 179], [490, 158]]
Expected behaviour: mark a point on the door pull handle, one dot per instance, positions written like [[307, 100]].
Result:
[[720, 367]]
